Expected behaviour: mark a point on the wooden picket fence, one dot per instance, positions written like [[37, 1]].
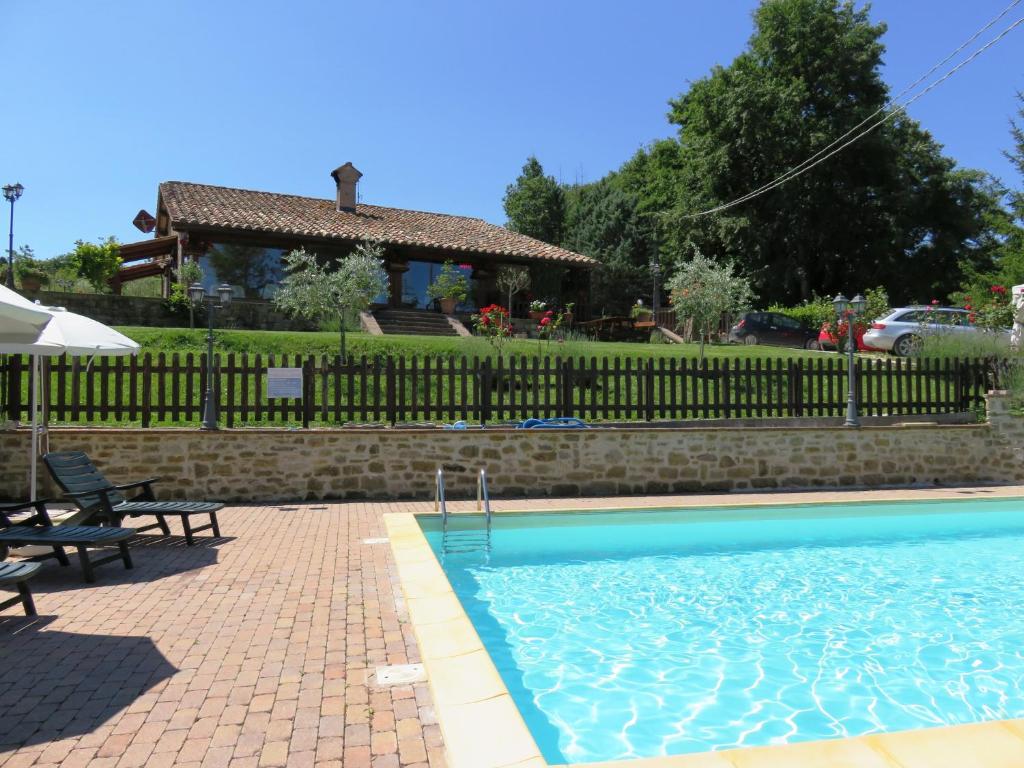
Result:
[[168, 389]]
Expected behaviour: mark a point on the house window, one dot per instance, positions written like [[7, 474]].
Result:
[[421, 274], [254, 272]]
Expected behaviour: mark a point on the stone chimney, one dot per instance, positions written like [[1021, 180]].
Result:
[[346, 177]]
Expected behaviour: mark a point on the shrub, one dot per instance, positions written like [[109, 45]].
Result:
[[449, 284], [703, 291], [97, 262]]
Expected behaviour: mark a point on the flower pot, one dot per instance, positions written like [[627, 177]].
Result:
[[448, 306], [536, 314], [31, 283]]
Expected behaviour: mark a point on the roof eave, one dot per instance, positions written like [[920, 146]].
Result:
[[180, 225]]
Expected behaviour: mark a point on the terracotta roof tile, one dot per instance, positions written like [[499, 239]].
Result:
[[247, 210]]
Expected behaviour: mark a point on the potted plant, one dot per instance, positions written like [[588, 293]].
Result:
[[30, 274], [567, 313], [537, 309], [449, 288], [640, 313]]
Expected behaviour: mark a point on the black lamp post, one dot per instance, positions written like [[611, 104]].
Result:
[[655, 266], [11, 193], [199, 295], [849, 309]]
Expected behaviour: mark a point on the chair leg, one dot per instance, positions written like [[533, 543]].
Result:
[[125, 555], [162, 522], [213, 522], [61, 556], [26, 599], [189, 539], [87, 572]]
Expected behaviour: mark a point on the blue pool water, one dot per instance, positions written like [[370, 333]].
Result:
[[638, 634]]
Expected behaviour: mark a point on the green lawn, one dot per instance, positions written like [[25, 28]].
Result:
[[183, 340]]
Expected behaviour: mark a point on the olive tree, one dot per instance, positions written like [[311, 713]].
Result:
[[327, 291], [511, 280], [703, 290]]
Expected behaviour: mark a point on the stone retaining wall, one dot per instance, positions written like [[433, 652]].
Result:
[[266, 465], [145, 311]]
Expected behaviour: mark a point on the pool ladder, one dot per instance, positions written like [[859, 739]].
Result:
[[457, 539]]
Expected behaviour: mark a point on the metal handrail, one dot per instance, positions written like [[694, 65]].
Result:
[[483, 496], [439, 500]]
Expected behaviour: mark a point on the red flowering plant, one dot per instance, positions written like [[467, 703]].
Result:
[[990, 306], [549, 324], [493, 322]]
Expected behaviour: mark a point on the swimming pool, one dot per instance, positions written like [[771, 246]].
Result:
[[639, 634]]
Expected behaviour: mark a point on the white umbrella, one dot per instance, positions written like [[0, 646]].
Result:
[[20, 321], [63, 332], [81, 335]]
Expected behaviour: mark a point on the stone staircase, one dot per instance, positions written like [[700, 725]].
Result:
[[416, 322]]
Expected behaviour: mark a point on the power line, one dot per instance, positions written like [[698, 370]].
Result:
[[891, 101], [820, 156]]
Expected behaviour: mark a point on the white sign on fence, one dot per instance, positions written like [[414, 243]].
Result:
[[284, 382]]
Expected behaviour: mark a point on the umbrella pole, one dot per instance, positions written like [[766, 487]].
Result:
[[35, 426]]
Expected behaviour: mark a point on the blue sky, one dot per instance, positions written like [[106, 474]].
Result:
[[438, 103]]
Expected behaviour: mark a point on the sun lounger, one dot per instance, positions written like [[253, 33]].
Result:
[[18, 574], [91, 491], [37, 529]]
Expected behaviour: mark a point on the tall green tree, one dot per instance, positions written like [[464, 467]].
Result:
[[535, 204], [1013, 247], [603, 221], [1006, 224], [891, 208]]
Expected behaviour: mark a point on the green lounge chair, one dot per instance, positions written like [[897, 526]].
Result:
[[38, 530], [18, 574], [92, 492]]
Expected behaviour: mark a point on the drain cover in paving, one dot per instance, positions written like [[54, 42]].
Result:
[[401, 674], [383, 540]]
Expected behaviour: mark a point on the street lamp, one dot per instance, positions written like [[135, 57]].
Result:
[[849, 310], [655, 266], [11, 193], [198, 294]]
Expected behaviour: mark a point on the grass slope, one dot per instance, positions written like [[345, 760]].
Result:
[[183, 341]]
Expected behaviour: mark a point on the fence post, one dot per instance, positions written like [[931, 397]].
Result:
[[958, 384], [484, 375], [649, 390], [147, 388], [796, 377], [14, 387], [389, 385], [308, 391], [568, 406]]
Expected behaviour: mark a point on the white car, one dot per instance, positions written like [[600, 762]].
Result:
[[901, 330]]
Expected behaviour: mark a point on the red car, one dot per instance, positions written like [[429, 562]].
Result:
[[827, 339]]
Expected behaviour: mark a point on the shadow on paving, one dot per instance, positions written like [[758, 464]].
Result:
[[60, 684], [154, 557]]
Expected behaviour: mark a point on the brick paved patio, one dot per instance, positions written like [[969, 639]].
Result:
[[251, 650]]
